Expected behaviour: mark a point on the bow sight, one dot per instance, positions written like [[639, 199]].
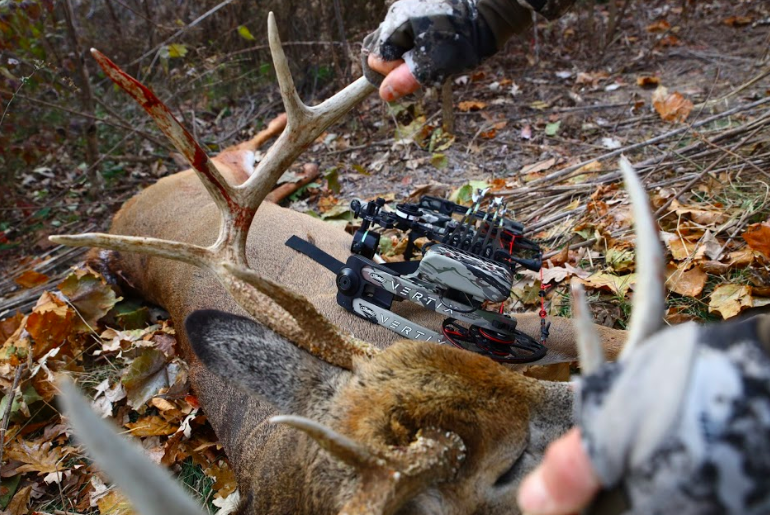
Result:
[[469, 261]]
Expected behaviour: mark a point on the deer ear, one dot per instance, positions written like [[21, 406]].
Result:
[[260, 361]]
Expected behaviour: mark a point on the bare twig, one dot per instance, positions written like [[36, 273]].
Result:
[[657, 139]]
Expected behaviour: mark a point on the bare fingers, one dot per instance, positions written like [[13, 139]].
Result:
[[563, 483], [399, 80]]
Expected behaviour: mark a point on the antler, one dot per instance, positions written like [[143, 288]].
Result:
[[391, 476], [238, 205], [649, 298]]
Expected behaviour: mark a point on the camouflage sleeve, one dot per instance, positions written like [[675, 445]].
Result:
[[683, 425], [439, 38]]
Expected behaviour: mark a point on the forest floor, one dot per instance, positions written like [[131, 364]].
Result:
[[685, 96]]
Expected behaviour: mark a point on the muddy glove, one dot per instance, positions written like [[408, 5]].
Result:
[[682, 426], [438, 38]]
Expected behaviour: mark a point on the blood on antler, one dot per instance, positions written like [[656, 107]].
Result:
[[288, 314]]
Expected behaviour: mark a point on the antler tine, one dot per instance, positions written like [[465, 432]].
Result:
[[649, 298], [304, 125], [590, 350], [316, 334], [295, 108], [185, 252], [392, 476], [182, 140], [339, 446]]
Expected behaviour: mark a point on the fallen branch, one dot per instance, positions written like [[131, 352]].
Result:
[[8, 409]]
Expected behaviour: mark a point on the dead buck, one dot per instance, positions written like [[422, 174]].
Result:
[[404, 427]]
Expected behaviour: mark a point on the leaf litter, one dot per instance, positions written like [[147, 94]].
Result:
[[133, 375]]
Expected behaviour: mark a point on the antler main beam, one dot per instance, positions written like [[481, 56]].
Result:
[[297, 320]]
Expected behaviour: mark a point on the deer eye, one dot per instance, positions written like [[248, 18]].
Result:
[[513, 472]]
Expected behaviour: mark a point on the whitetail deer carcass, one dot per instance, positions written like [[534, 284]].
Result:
[[384, 427]]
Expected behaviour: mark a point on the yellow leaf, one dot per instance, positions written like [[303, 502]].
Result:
[[244, 32], [114, 503], [618, 284], [177, 50], [730, 299], [38, 457]]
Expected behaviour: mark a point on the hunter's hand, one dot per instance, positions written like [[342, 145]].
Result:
[[563, 483], [423, 42]]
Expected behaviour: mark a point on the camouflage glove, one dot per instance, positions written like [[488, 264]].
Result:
[[438, 38], [683, 425]]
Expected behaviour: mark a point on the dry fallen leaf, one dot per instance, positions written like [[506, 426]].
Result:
[[741, 258], [49, 324], [558, 372], [689, 283], [673, 107], [538, 167], [114, 503], [730, 299], [152, 426], [658, 27], [471, 105], [683, 249], [647, 81], [90, 294], [30, 279], [40, 457], [737, 21], [758, 238], [700, 215], [617, 284], [20, 503]]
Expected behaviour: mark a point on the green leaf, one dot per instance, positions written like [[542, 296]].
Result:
[[244, 32], [177, 50], [338, 212], [439, 161], [360, 169], [136, 319], [386, 245], [7, 489], [462, 195], [333, 180], [552, 128], [144, 366]]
